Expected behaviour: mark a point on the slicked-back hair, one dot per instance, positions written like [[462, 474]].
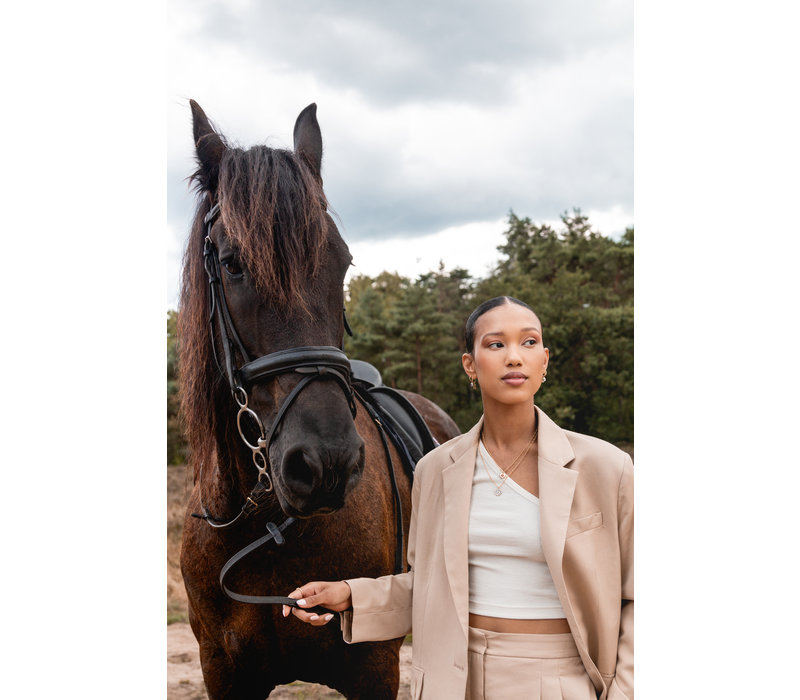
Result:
[[488, 305]]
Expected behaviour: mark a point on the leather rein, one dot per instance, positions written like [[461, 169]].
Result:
[[313, 362]]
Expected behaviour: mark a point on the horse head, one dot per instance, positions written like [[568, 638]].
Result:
[[266, 264]]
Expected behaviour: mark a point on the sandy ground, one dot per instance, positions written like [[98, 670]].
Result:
[[185, 680], [184, 677]]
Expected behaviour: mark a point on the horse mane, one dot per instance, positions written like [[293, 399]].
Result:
[[274, 210]]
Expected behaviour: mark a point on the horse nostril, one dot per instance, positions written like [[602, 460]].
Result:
[[326, 477], [331, 480], [297, 471]]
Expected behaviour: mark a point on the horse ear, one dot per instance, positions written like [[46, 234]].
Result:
[[308, 139], [209, 147]]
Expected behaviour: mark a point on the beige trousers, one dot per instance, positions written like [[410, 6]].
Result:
[[506, 666]]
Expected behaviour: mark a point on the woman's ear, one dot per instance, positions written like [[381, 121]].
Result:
[[468, 363]]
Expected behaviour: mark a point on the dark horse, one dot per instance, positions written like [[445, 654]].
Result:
[[269, 414]]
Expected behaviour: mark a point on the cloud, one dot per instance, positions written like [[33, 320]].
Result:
[[434, 116], [404, 52]]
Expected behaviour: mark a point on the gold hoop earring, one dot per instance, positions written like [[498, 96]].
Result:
[[472, 383], [544, 377]]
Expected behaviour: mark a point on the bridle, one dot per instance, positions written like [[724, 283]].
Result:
[[313, 362]]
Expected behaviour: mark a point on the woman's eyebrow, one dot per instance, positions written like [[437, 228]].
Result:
[[521, 330]]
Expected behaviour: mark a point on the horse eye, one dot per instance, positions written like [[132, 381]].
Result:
[[232, 267]]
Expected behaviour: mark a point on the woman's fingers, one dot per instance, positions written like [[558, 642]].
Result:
[[309, 616], [312, 618], [333, 595]]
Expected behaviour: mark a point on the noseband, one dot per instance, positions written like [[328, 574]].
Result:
[[313, 362]]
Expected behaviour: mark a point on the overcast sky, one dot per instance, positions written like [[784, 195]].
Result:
[[531, 110], [437, 117]]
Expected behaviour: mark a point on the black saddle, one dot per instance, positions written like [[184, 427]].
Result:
[[396, 411]]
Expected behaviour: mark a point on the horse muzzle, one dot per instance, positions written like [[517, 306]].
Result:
[[317, 480]]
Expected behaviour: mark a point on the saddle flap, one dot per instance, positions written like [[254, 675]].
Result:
[[407, 421]]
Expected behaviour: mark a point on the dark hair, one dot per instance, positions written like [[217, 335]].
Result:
[[469, 332]]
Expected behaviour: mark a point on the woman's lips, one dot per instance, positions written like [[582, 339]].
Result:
[[514, 378]]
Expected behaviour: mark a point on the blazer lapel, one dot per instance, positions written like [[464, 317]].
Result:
[[556, 489], [457, 489]]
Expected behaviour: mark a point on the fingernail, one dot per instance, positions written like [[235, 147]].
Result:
[[302, 601], [285, 610], [314, 617], [328, 617]]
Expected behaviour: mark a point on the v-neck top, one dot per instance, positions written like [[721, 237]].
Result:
[[508, 574]]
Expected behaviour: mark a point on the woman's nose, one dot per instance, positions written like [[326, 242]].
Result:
[[513, 357]]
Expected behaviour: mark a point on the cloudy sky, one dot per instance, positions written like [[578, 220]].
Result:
[[437, 118]]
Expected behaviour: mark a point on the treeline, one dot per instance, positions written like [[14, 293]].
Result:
[[177, 449], [579, 282]]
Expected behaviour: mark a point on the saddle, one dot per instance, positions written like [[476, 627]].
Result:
[[404, 424]]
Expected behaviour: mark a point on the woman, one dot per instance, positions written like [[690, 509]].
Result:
[[517, 587]]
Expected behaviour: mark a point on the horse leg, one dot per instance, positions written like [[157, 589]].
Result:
[[223, 676], [223, 682], [369, 671]]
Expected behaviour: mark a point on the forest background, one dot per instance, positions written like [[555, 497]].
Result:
[[579, 282]]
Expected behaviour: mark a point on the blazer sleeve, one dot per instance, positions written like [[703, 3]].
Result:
[[621, 687], [382, 606]]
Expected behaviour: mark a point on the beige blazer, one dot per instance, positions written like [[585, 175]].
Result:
[[586, 510]]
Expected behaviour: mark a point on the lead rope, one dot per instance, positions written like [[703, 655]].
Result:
[[275, 533]]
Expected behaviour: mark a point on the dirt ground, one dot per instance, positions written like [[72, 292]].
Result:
[[185, 681], [184, 678]]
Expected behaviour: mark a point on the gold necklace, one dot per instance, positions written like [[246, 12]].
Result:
[[505, 473]]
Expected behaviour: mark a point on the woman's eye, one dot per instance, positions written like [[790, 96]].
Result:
[[495, 344], [530, 342]]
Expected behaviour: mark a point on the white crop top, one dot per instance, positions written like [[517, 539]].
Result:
[[508, 576]]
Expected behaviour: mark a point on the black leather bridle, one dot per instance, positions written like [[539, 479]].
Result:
[[313, 362]]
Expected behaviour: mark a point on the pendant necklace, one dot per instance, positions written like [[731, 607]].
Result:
[[505, 473]]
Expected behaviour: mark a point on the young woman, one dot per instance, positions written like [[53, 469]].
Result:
[[520, 581]]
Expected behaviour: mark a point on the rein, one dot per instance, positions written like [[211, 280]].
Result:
[[312, 362]]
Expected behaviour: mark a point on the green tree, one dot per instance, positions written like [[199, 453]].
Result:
[[176, 442], [370, 306], [412, 332], [579, 282], [581, 285]]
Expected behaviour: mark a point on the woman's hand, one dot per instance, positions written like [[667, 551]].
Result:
[[334, 595]]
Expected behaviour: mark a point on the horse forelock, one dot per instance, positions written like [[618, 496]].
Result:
[[274, 213]]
